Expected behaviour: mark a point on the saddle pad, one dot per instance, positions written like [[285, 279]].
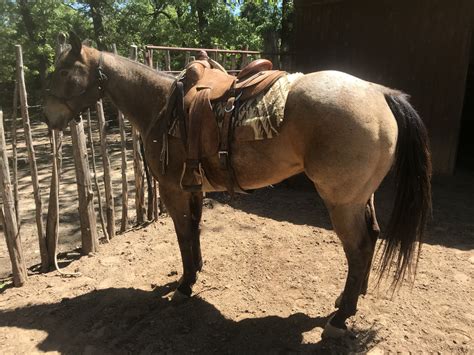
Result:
[[258, 118]]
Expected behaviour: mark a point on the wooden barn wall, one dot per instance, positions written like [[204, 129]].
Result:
[[418, 46]]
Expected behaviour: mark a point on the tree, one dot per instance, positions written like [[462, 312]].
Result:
[[233, 24]]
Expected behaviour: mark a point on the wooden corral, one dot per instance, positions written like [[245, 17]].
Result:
[[421, 47]]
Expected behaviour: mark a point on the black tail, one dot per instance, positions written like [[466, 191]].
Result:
[[412, 206]]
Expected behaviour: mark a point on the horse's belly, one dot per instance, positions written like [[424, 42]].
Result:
[[256, 164]]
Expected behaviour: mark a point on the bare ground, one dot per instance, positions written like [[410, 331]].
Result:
[[273, 269]]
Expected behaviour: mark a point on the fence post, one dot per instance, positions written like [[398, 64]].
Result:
[[8, 215], [52, 218], [32, 160], [187, 57], [109, 198], [244, 58], [94, 171], [14, 153], [138, 163], [152, 205], [123, 150], [167, 60], [84, 188]]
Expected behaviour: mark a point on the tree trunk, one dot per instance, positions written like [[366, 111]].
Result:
[[96, 7]]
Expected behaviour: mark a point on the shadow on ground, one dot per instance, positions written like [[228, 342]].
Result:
[[124, 320], [452, 223]]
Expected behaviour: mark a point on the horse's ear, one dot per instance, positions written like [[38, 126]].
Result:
[[76, 43]]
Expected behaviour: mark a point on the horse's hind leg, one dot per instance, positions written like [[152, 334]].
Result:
[[374, 232], [350, 224]]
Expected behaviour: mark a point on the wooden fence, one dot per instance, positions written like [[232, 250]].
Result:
[[147, 202]]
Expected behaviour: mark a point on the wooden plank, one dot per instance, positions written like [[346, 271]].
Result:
[[8, 215], [32, 160], [84, 189], [109, 198], [368, 39]]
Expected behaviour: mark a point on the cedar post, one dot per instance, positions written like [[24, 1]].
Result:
[[109, 198], [138, 164], [186, 58], [151, 184], [123, 149], [167, 60], [84, 189], [94, 170], [32, 160], [150, 58], [123, 146], [244, 58], [52, 219], [14, 153], [8, 215], [224, 60]]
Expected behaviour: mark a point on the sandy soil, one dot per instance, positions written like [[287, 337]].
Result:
[[273, 269]]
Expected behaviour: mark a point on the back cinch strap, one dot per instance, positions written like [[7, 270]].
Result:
[[225, 161]]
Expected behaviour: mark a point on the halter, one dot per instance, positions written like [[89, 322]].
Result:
[[101, 82]]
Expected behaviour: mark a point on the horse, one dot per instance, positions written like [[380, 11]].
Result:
[[344, 133]]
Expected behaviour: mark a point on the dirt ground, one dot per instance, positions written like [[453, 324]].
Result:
[[273, 269]]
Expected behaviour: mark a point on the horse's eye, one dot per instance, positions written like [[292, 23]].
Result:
[[63, 73]]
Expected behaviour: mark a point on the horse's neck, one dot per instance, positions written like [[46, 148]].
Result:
[[138, 91]]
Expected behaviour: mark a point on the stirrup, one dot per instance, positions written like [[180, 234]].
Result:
[[192, 176]]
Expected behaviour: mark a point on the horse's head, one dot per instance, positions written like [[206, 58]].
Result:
[[74, 85]]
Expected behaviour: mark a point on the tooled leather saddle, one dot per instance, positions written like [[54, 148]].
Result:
[[204, 83]]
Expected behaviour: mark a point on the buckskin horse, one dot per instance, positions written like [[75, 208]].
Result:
[[344, 133]]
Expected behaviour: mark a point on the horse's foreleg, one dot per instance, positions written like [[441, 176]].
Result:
[[196, 213], [185, 210], [350, 225]]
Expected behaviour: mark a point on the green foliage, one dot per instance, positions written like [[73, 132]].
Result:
[[233, 24]]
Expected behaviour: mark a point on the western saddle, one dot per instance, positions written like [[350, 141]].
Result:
[[203, 83]]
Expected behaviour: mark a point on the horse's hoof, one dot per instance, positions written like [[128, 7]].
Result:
[[338, 302], [179, 297], [332, 332]]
